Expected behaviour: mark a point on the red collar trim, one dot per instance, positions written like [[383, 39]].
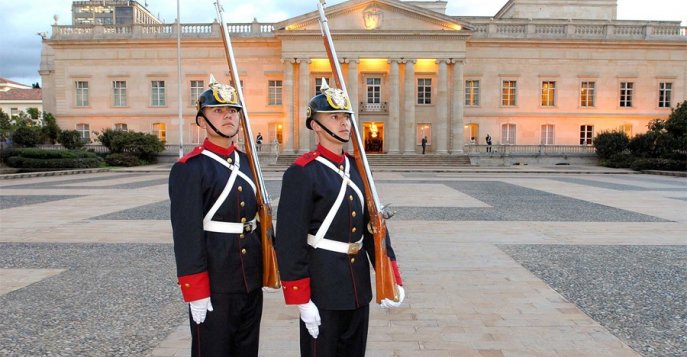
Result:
[[337, 159], [222, 151]]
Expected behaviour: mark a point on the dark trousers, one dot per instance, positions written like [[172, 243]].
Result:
[[343, 333], [231, 329]]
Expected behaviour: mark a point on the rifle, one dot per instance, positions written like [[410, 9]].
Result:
[[386, 286], [270, 271]]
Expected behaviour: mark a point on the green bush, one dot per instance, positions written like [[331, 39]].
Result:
[[611, 143], [27, 136], [31, 163], [659, 164], [122, 160], [620, 160], [50, 131], [36, 153], [144, 146], [71, 139]]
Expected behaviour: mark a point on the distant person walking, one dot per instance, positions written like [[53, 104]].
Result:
[[488, 140], [258, 141], [424, 144]]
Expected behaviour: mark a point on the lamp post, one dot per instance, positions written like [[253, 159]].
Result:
[[181, 119]]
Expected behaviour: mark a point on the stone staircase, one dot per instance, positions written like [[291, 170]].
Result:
[[399, 161]]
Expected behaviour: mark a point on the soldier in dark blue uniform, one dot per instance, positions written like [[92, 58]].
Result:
[[216, 242], [323, 243]]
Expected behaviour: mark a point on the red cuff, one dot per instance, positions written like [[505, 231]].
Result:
[[397, 273], [195, 286], [296, 292]]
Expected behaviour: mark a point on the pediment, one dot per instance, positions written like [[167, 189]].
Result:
[[355, 16]]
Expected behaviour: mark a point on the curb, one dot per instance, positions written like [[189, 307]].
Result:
[[665, 173], [50, 173]]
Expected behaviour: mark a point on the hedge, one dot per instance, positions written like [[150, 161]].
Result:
[[36, 153], [127, 160], [31, 163], [659, 164]]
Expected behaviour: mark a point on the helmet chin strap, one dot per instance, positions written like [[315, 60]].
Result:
[[207, 121], [331, 133]]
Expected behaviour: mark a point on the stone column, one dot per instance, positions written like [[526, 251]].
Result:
[[440, 127], [392, 133], [352, 84], [458, 99], [288, 124], [303, 98], [409, 108]]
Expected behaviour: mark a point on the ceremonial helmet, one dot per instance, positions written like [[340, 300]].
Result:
[[218, 95], [330, 100]]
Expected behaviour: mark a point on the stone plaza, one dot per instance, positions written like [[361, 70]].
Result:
[[559, 261]]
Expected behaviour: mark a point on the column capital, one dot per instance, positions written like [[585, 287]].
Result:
[[303, 60], [407, 60], [458, 60], [349, 60], [289, 60], [443, 60], [397, 60]]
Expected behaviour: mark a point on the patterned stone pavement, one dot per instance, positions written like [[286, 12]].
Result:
[[495, 264]]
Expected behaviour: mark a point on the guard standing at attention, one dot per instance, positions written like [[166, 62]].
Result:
[[323, 243], [216, 239]]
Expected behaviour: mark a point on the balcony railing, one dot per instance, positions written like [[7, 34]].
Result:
[[147, 31], [531, 150], [373, 107]]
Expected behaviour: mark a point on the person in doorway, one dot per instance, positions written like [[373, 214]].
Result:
[[323, 243], [216, 236], [472, 141], [424, 144], [258, 141], [488, 140]]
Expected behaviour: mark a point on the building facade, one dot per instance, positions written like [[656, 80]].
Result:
[[537, 73], [16, 97]]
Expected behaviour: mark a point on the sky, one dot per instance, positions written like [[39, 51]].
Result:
[[21, 21]]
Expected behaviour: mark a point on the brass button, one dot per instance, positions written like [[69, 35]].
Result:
[[240, 189], [243, 251], [354, 229], [242, 236], [352, 260], [341, 167], [243, 220], [354, 214], [243, 204], [229, 160], [350, 197], [295, 288], [187, 285]]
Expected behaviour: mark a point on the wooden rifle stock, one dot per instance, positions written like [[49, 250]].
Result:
[[386, 286], [270, 270]]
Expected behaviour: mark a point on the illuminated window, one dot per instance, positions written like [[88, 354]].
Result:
[[160, 130], [81, 93], [587, 94], [626, 94], [664, 89], [548, 93], [119, 93], [509, 93], [424, 91], [508, 134], [472, 92]]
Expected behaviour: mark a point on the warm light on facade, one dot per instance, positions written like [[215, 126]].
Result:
[[320, 65], [374, 131], [373, 64], [425, 65]]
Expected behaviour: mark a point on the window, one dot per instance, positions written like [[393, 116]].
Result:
[[548, 93], [547, 134], [14, 112], [318, 84], [423, 130], [374, 90], [197, 134], [160, 130], [509, 93], [587, 94], [472, 92], [626, 94], [81, 93], [85, 131], [586, 132], [121, 127], [196, 90], [664, 89], [157, 95], [627, 129], [508, 134], [274, 92], [424, 91], [119, 93]]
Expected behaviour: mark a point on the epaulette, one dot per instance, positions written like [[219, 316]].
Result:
[[306, 158], [195, 152]]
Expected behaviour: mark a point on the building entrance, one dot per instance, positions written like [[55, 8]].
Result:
[[373, 137]]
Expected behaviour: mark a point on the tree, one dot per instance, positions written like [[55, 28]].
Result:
[[50, 131], [611, 143], [5, 126], [36, 86], [70, 139], [27, 136], [33, 113]]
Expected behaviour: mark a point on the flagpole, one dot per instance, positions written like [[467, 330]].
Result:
[[180, 99]]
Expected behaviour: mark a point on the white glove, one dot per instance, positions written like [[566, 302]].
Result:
[[386, 303], [311, 316], [199, 309]]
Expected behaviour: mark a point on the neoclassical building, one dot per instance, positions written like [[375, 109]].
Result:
[[538, 72]]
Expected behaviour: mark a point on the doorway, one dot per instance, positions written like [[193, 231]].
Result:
[[471, 133], [373, 137]]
